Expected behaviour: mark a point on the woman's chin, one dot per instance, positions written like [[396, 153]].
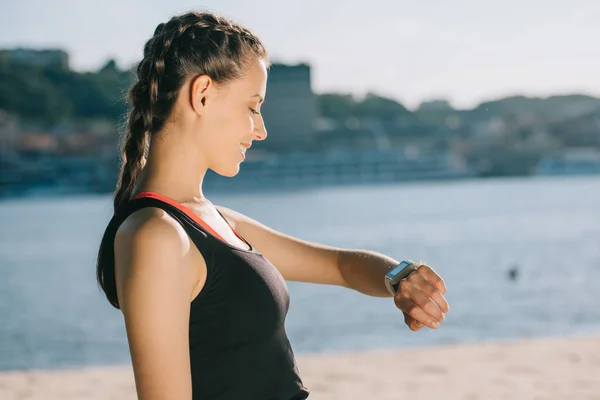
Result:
[[227, 171]]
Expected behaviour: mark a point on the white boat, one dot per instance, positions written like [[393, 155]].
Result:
[[577, 161]]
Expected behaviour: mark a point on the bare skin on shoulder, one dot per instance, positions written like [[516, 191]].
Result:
[[196, 107]]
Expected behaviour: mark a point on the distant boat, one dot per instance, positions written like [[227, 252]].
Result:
[[577, 161]]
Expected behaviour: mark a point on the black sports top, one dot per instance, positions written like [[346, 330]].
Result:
[[239, 348]]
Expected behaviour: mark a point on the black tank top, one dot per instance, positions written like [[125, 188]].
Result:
[[239, 348]]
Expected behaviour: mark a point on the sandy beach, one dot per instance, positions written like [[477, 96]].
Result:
[[558, 368]]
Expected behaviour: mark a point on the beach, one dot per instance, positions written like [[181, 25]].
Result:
[[554, 368]]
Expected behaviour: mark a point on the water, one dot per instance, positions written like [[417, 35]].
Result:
[[52, 314]]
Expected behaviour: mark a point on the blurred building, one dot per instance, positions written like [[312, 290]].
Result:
[[40, 58], [435, 105], [289, 109]]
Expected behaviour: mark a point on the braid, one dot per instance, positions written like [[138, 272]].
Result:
[[142, 98], [134, 145]]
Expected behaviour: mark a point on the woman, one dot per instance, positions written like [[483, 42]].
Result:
[[202, 288]]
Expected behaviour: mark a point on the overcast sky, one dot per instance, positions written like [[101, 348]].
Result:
[[466, 51]]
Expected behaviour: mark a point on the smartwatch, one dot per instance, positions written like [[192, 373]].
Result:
[[396, 274]]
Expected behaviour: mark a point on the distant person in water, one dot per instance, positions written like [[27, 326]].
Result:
[[513, 273], [203, 288]]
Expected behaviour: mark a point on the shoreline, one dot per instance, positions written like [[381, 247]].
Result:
[[548, 368]]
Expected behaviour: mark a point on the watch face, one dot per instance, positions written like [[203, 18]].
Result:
[[394, 271]]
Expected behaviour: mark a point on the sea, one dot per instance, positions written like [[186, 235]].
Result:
[[472, 232]]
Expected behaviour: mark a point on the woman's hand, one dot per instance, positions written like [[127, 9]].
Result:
[[420, 296]]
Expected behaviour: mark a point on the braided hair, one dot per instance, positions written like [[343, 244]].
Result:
[[190, 44]]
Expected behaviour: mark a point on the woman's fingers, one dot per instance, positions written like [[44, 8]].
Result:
[[421, 301], [417, 313], [412, 323], [418, 306], [426, 287], [432, 277], [421, 298]]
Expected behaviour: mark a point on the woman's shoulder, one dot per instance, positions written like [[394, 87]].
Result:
[[152, 248], [150, 236], [152, 228]]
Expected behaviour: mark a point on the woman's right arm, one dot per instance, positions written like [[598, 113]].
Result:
[[154, 286]]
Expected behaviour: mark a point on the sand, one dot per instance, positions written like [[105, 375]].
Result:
[[559, 368]]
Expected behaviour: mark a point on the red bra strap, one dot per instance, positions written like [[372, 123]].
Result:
[[184, 209]]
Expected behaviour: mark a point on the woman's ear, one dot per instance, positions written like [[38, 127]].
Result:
[[199, 93]]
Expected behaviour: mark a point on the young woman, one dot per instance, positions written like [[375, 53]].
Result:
[[202, 288]]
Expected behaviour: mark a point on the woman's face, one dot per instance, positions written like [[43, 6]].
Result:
[[230, 119]]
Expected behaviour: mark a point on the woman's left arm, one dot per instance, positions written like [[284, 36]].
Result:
[[420, 296], [303, 261]]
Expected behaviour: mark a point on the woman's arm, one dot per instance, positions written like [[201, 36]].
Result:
[[155, 284], [296, 259], [420, 297], [299, 260]]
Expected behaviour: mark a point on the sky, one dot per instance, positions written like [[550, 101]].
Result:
[[465, 51]]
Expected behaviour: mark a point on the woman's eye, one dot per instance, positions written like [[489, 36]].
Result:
[[254, 111]]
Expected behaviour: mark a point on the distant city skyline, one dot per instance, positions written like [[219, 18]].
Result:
[[467, 52]]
